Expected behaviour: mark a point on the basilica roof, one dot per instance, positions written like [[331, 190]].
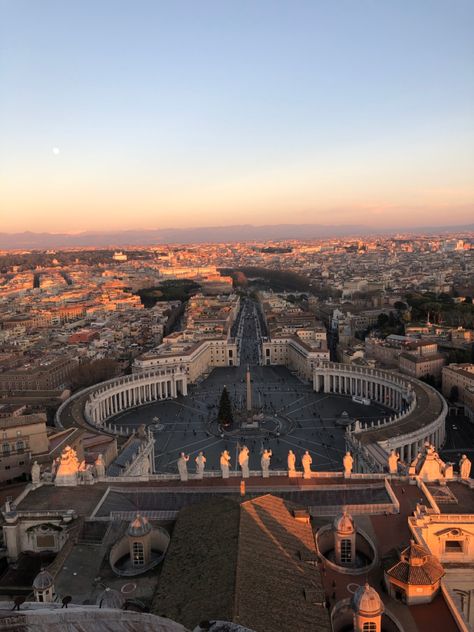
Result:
[[416, 567]]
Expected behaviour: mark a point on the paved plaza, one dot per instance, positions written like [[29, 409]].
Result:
[[295, 417], [307, 421]]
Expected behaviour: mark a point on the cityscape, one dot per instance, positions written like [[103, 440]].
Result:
[[236, 317]]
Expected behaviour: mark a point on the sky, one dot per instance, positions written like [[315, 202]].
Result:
[[138, 114]]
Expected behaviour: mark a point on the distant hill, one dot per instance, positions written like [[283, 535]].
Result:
[[245, 232]]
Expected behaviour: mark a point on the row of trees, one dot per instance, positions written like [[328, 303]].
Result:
[[93, 372], [441, 308]]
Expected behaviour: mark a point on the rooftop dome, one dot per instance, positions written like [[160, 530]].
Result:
[[366, 601], [43, 580], [139, 527], [344, 523], [110, 598]]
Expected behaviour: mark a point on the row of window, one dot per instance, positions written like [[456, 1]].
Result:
[[19, 446], [8, 467]]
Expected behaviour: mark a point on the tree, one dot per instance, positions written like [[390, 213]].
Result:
[[400, 305], [382, 320], [224, 416], [93, 372]]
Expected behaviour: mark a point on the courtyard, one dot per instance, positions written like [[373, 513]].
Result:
[[304, 420]]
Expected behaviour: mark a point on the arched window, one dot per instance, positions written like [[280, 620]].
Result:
[[369, 626], [346, 552], [138, 554], [6, 448]]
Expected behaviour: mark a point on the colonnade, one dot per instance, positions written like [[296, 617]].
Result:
[[115, 396], [411, 448], [373, 384], [419, 413]]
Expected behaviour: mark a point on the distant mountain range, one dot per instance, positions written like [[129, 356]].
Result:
[[245, 232]]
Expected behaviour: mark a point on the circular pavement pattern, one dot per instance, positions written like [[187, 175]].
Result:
[[304, 420]]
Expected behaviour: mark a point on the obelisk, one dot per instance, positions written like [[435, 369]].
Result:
[[249, 391]]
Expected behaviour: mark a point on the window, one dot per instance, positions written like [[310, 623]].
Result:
[[20, 446], [369, 626], [453, 546], [6, 448], [138, 554], [45, 542], [346, 552]]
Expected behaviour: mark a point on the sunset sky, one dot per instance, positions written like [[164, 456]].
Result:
[[152, 114]]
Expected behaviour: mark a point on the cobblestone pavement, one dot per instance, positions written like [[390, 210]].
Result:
[[187, 424], [297, 418]]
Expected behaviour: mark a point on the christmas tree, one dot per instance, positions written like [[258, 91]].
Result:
[[224, 416]]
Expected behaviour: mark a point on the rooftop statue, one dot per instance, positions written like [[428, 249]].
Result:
[[100, 466], [291, 463], [68, 469], [225, 463], [414, 464], [265, 463], [348, 463], [464, 467], [35, 473], [183, 466], [200, 461], [306, 462], [244, 461], [393, 462], [430, 467]]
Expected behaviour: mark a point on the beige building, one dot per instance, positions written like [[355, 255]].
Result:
[[196, 357], [23, 438], [298, 355], [45, 374], [421, 365], [416, 577], [462, 377], [450, 539]]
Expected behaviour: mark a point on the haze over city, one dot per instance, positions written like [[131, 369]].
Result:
[[163, 115]]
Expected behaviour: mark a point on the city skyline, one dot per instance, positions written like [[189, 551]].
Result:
[[185, 116]]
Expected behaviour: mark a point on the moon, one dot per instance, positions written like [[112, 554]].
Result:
[[56, 151]]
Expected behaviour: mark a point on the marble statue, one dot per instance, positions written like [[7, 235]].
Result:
[[244, 461], [225, 464], [431, 467], [393, 462], [414, 464], [291, 463], [306, 462], [448, 470], [200, 465], [183, 466], [87, 476], [265, 463], [35, 473], [100, 467], [68, 469], [348, 463], [464, 467]]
